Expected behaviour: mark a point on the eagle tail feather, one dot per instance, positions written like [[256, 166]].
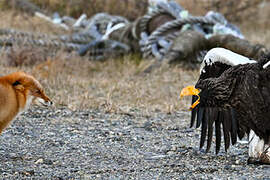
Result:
[[211, 120], [218, 133], [204, 127]]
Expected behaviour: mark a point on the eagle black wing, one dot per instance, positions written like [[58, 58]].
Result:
[[222, 121], [255, 90], [208, 118]]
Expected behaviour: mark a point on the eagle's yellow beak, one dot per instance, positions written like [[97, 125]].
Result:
[[189, 91]]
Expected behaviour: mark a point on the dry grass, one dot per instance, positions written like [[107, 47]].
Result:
[[128, 8], [236, 11], [116, 85], [239, 11], [24, 22], [257, 29]]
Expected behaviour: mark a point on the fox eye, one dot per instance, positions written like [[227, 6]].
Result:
[[16, 83]]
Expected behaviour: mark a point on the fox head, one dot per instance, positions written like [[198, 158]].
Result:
[[27, 85]]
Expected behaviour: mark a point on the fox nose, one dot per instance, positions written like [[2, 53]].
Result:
[[49, 103], [46, 102]]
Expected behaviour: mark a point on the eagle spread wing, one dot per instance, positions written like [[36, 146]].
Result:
[[214, 64]]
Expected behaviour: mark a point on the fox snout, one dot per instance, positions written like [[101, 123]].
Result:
[[44, 100], [45, 103]]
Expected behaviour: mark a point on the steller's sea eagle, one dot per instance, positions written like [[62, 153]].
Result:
[[233, 92]]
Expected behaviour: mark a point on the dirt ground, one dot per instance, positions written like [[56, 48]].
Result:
[[65, 144]]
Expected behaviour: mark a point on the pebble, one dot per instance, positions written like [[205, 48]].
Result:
[[39, 161]]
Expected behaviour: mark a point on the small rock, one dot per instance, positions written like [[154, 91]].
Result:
[[39, 161]]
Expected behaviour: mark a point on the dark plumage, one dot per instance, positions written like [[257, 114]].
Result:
[[236, 98], [245, 88]]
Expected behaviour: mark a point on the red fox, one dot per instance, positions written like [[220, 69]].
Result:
[[17, 91]]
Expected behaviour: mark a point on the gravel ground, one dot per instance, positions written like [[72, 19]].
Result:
[[65, 144]]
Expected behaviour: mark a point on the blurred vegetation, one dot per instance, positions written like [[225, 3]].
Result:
[[127, 8], [236, 11]]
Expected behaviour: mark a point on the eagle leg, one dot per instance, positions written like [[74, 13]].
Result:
[[259, 152]]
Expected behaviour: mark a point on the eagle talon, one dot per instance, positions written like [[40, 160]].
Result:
[[265, 158], [253, 160]]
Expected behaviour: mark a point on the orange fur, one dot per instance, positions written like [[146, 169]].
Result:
[[15, 90]]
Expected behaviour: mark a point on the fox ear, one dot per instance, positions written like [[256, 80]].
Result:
[[19, 87]]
